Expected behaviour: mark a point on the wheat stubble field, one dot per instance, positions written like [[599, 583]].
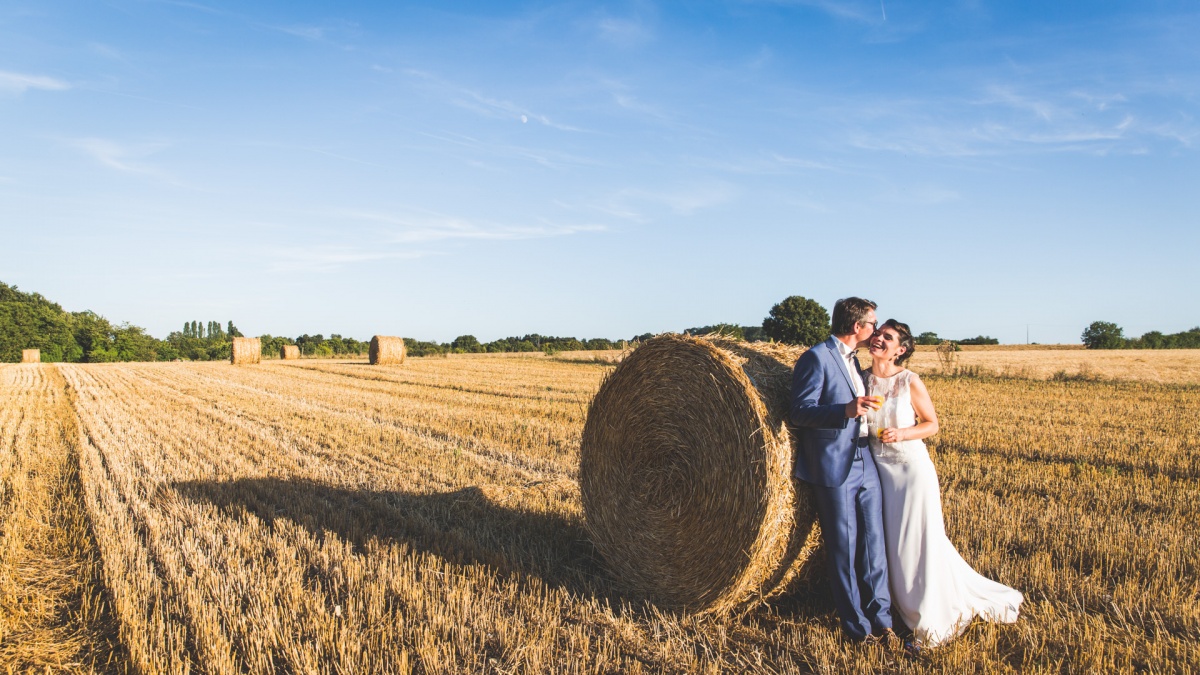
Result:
[[317, 516]]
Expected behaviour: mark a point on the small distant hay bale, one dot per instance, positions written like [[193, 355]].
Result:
[[685, 474], [246, 350], [31, 356], [288, 352], [386, 350]]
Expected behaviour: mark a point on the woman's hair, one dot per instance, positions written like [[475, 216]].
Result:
[[906, 339]]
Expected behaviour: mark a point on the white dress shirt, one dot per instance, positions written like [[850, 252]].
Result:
[[847, 353]]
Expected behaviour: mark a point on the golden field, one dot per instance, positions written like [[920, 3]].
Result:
[[317, 516]]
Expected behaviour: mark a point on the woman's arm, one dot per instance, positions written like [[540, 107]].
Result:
[[927, 421]]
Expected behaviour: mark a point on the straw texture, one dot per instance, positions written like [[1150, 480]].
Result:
[[386, 350], [287, 352], [685, 474], [31, 356], [246, 350]]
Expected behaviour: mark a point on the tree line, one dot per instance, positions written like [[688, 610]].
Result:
[[1108, 335], [29, 320]]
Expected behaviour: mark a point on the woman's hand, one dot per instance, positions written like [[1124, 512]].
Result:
[[891, 435]]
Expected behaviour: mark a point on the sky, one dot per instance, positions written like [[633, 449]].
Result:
[[1011, 169]]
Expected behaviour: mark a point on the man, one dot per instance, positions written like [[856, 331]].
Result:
[[828, 402]]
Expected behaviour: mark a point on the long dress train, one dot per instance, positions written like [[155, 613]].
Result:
[[935, 591]]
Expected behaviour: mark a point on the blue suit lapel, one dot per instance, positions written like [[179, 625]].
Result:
[[831, 344]]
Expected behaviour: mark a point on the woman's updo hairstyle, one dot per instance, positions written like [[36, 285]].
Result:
[[906, 339]]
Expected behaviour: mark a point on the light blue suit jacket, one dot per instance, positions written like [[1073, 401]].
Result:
[[821, 389]]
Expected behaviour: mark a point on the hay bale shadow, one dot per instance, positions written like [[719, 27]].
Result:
[[462, 527]]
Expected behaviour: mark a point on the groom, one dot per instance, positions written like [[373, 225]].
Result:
[[828, 402]]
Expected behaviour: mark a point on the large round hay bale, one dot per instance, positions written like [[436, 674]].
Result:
[[685, 474], [288, 352], [386, 350], [31, 356], [246, 350]]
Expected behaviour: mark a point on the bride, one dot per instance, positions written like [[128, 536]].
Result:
[[934, 590]]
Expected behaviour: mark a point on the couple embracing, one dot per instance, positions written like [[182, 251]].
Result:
[[876, 489]]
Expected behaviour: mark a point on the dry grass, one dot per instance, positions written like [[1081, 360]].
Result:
[[53, 611], [1168, 366], [333, 517]]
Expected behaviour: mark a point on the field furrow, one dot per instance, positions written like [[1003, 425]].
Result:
[[54, 611]]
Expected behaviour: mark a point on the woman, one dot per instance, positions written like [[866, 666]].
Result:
[[935, 591]]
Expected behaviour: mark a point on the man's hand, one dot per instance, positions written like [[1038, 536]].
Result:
[[861, 406]]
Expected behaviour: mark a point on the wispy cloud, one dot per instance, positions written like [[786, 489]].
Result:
[[334, 33], [636, 204], [485, 105], [623, 32], [328, 258], [850, 10], [427, 227], [123, 157], [19, 83], [107, 51], [1007, 118], [921, 195]]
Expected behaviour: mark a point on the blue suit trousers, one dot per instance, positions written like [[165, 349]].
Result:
[[851, 516]]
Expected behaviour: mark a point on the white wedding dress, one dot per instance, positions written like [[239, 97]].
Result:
[[935, 591]]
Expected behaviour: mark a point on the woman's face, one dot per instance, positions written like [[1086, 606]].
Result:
[[885, 344]]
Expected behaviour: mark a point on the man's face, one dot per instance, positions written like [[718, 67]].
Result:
[[865, 328]]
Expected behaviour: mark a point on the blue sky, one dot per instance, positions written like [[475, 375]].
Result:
[[435, 169]]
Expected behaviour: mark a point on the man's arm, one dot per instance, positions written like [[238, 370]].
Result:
[[808, 380]]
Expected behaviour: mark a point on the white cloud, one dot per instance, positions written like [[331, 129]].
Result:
[[315, 33], [487, 106], [431, 227], [623, 32], [107, 51], [326, 258], [681, 201], [852, 10], [19, 83], [124, 157]]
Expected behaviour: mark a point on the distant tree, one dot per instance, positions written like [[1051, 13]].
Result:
[[466, 343], [753, 333], [1103, 335], [798, 321], [928, 338], [233, 331], [979, 340]]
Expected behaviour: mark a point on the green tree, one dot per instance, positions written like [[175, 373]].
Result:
[[1103, 335], [798, 321], [466, 343], [928, 338]]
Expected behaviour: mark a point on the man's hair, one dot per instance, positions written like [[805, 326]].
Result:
[[847, 312], [906, 339]]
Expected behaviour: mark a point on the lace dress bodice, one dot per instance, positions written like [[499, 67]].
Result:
[[897, 413]]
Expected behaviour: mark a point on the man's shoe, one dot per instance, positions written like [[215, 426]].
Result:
[[885, 639], [914, 647]]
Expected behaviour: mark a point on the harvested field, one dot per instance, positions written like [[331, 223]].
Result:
[[1175, 366], [325, 516]]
